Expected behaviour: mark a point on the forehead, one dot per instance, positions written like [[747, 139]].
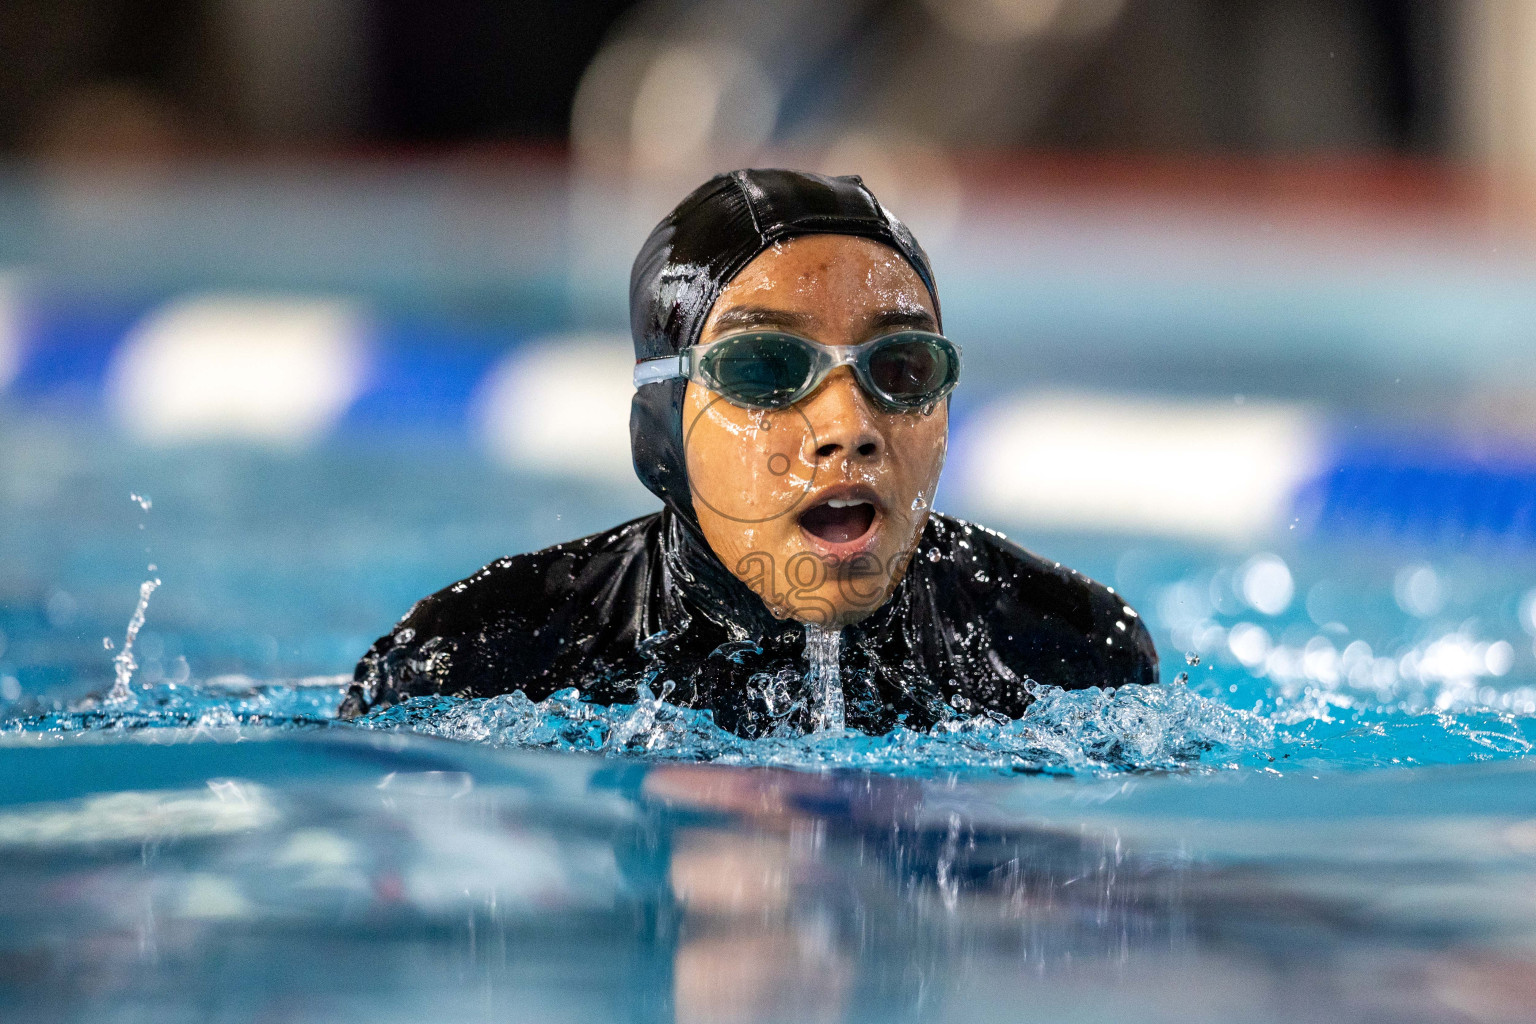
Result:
[[814, 272]]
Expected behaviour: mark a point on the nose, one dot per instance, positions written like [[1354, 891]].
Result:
[[844, 424]]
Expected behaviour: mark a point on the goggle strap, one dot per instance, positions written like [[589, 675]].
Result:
[[649, 371]]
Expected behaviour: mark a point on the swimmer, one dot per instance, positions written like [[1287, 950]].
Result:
[[791, 411]]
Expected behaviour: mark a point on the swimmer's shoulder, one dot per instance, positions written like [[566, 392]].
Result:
[[529, 588], [1090, 629], [496, 629]]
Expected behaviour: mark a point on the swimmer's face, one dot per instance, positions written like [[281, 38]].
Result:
[[817, 507]]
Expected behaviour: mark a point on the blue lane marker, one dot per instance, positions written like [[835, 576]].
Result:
[[1407, 489], [423, 374], [67, 344]]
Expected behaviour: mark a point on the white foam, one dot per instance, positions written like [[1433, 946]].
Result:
[[1139, 465], [279, 370], [561, 405]]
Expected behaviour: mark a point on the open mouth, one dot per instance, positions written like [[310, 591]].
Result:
[[839, 520]]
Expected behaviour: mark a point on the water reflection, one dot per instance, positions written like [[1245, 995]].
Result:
[[831, 897], [335, 877]]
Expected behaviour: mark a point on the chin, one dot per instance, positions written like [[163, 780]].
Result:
[[852, 616], [841, 602]]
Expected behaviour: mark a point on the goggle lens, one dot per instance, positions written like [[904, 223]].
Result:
[[760, 369], [910, 369], [770, 370]]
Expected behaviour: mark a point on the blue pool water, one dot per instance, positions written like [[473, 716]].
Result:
[[1326, 811]]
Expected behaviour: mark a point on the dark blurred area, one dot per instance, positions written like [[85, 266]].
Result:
[[1244, 76], [1276, 242], [126, 74]]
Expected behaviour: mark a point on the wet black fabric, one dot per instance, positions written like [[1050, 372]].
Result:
[[975, 618]]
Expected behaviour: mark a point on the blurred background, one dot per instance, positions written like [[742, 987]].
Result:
[[340, 285]]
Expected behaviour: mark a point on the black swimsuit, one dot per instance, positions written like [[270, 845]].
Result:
[[974, 619]]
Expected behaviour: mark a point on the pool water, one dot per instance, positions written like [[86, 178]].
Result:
[[1326, 811]]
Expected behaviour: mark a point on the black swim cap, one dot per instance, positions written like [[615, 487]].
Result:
[[695, 252]]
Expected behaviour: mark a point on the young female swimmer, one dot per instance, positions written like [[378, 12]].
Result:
[[791, 412]]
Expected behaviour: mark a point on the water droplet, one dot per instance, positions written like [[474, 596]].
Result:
[[123, 663]]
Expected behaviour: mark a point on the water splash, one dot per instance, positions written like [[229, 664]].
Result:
[[823, 677], [1091, 732], [224, 703], [123, 663], [1064, 731]]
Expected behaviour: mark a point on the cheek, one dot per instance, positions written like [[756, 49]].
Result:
[[918, 445], [917, 456], [748, 471]]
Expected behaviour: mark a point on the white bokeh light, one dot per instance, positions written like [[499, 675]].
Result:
[[10, 330], [1266, 584], [1499, 658], [560, 405], [1528, 612], [1419, 591], [1139, 465], [235, 366], [676, 107], [1249, 644]]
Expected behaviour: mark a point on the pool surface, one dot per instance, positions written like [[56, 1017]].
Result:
[[1326, 812]]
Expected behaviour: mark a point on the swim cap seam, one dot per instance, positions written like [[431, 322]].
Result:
[[739, 177]]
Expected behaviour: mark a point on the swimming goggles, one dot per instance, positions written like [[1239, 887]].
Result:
[[773, 370]]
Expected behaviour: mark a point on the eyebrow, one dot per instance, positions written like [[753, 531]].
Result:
[[738, 317], [910, 319]]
